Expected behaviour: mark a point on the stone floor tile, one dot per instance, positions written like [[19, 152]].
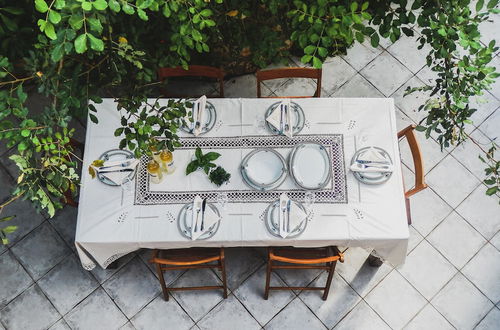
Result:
[[229, 314], [197, 303], [489, 29], [30, 310], [491, 321], [294, 277], [96, 312], [490, 126], [395, 300], [67, 284], [7, 185], [456, 240], [415, 239], [41, 250], [274, 84], [427, 270], [244, 86], [443, 177], [467, 153], [461, 303], [485, 105], [386, 73], [240, 264], [128, 326], [358, 273], [297, 87], [160, 314], [410, 103], [295, 316], [405, 50], [358, 86], [14, 278], [103, 274], [427, 76], [60, 325], [129, 293], [427, 318], [362, 317], [427, 211], [483, 270], [336, 72], [402, 121], [495, 87], [360, 54], [64, 222], [251, 294], [495, 241], [481, 211], [431, 152], [170, 276], [26, 219], [341, 299]]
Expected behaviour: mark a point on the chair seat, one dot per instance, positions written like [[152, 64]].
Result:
[[192, 255], [302, 253]]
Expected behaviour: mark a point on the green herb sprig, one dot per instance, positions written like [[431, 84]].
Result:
[[204, 161]]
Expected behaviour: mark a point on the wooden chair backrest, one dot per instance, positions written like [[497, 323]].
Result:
[[194, 71], [290, 73], [418, 163]]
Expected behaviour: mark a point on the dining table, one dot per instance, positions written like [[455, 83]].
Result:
[[114, 221]]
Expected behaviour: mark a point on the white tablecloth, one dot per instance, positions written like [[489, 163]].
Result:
[[369, 216]]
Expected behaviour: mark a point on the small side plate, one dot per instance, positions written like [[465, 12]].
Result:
[[115, 155]]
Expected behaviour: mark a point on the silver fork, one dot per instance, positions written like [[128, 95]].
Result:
[[196, 221]]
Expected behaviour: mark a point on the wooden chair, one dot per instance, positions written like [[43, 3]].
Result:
[[68, 194], [418, 163], [303, 258], [194, 258], [290, 73], [193, 71]]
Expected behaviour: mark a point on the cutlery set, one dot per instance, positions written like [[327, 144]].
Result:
[[285, 208], [283, 118], [197, 219]]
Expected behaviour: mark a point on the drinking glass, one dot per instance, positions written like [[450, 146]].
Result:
[[309, 200], [127, 190]]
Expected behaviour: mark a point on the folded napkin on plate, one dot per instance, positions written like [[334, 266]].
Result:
[[282, 118], [290, 216], [198, 110], [372, 161], [197, 218], [113, 170]]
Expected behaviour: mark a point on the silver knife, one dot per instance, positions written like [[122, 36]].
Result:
[[203, 206], [281, 118], [196, 220], [288, 205], [113, 171]]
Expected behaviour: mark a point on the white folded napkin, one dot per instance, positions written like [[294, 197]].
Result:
[[277, 117], [380, 163], [210, 218], [296, 216], [198, 110], [111, 170]]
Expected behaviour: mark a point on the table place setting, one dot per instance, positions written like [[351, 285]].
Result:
[[285, 118], [114, 167], [372, 165], [199, 220], [202, 118], [286, 218]]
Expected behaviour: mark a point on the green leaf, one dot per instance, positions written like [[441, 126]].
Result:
[[87, 5], [354, 6], [128, 9], [76, 22], [491, 4], [211, 156], [323, 52], [206, 12], [191, 167], [420, 128], [9, 229], [365, 5], [22, 146], [96, 43], [7, 218], [25, 132], [60, 4], [49, 31], [317, 63], [54, 16], [41, 6], [95, 24], [114, 5], [198, 153], [100, 4], [166, 11], [491, 191], [306, 58], [309, 50], [374, 40], [142, 14], [81, 43], [479, 5]]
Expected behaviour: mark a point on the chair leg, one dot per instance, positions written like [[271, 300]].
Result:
[[162, 282], [222, 264], [329, 279], [268, 278]]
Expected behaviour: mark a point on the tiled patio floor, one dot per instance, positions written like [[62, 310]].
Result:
[[451, 278]]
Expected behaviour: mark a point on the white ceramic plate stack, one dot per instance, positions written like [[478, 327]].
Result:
[[186, 217], [263, 169], [208, 120], [273, 221], [310, 166]]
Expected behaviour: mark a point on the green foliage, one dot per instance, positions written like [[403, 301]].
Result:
[[7, 229], [203, 161], [492, 171], [218, 176], [147, 126]]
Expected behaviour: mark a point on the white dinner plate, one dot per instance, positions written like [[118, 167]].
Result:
[[114, 155], [272, 220], [209, 119], [298, 118], [263, 169], [310, 166], [372, 177], [185, 219]]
